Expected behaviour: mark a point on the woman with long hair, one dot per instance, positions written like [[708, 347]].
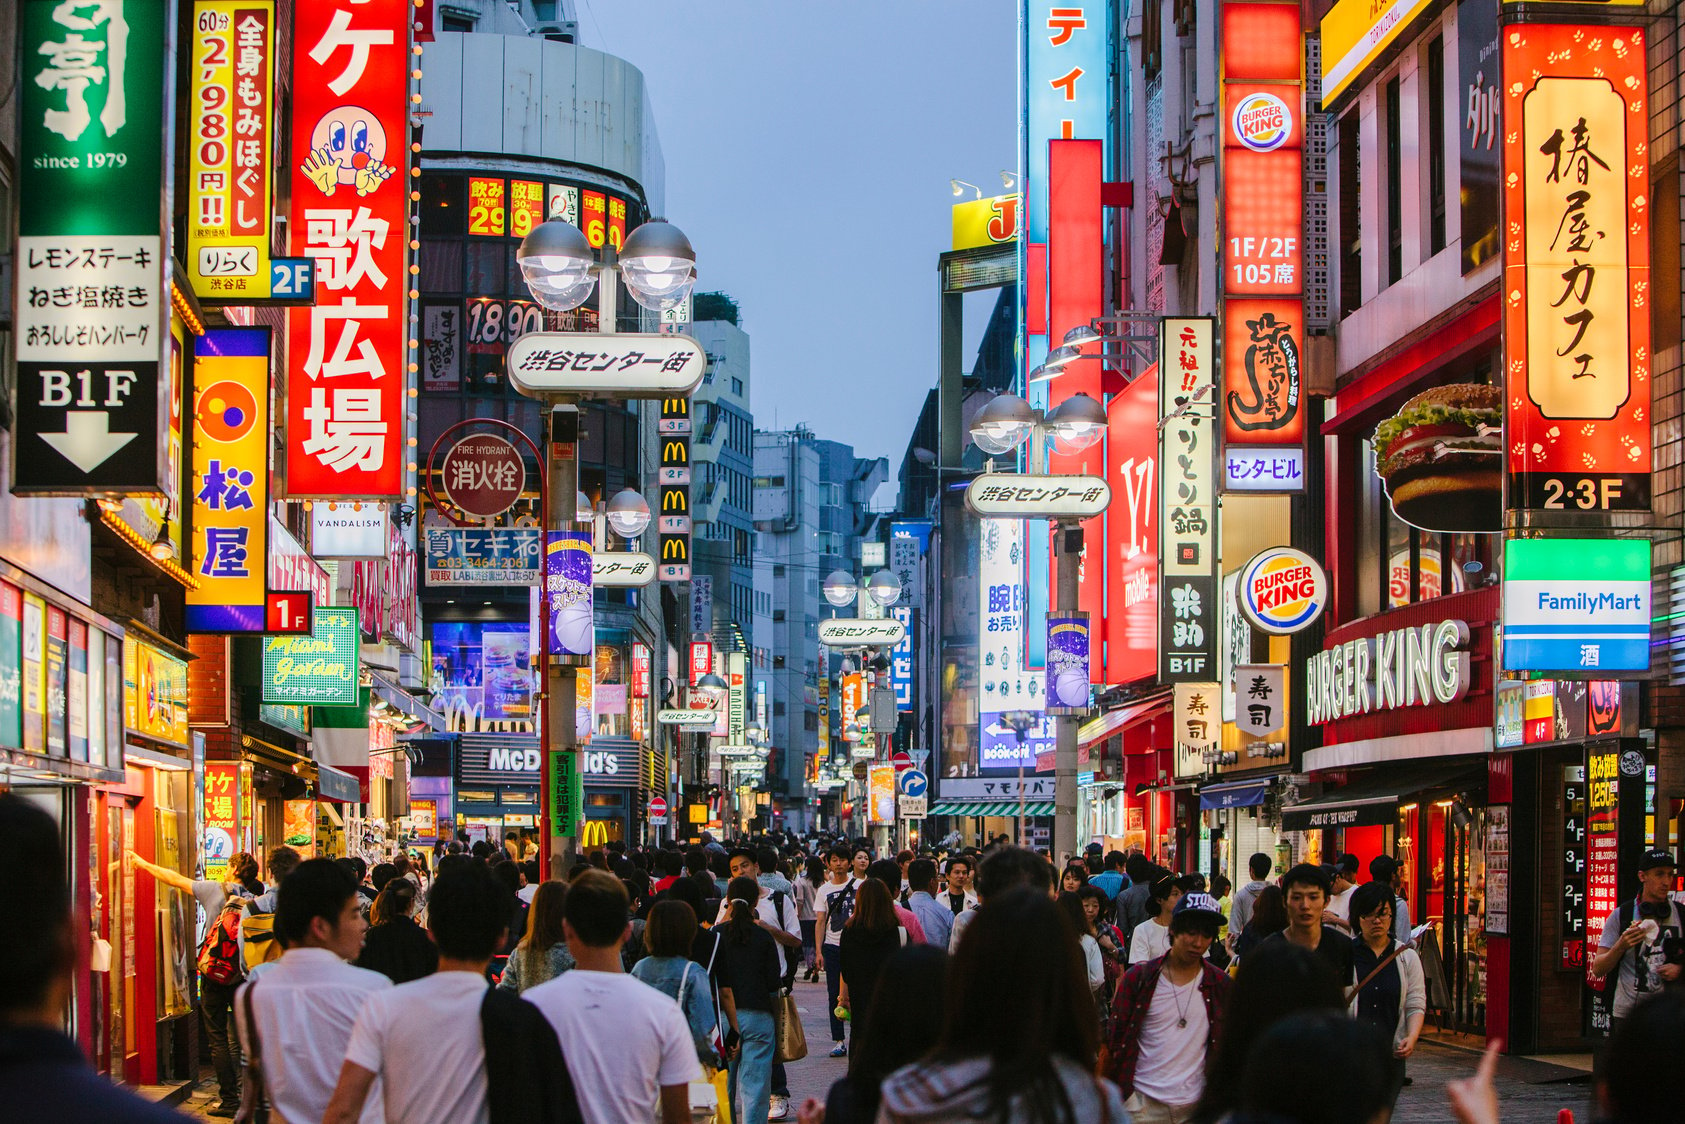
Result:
[[1087, 937], [1394, 997], [868, 941], [1074, 878], [750, 970], [807, 886], [907, 1012], [395, 945], [243, 869], [1151, 938], [669, 933], [543, 953], [1269, 917], [1273, 981], [1021, 1034]]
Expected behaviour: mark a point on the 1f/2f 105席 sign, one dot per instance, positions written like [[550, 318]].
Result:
[[626, 365]]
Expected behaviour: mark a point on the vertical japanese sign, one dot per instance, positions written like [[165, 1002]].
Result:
[[672, 518], [1263, 205], [1068, 642], [1261, 700], [567, 578], [1130, 623], [345, 401], [1576, 290], [1572, 921], [901, 656], [1196, 710], [92, 321], [231, 127], [1188, 617], [229, 485], [1477, 160], [222, 816], [737, 703]]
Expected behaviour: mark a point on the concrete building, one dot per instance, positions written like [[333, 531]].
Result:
[[723, 460]]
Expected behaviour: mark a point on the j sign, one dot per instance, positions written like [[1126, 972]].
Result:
[[1577, 605]]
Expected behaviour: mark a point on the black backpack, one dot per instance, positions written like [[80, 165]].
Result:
[[792, 955], [527, 1079], [842, 908]]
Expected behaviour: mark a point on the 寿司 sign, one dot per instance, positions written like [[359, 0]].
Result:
[[1282, 590]]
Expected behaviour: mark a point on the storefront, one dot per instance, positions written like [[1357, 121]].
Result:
[[497, 784], [1118, 753], [981, 809], [613, 770], [1404, 702]]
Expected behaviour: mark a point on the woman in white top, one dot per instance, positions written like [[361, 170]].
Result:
[[1151, 938], [1072, 906], [1393, 995]]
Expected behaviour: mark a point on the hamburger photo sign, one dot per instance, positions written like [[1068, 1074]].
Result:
[[1440, 458]]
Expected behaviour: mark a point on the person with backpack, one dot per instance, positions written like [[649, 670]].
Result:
[[257, 924], [833, 905], [1636, 938], [295, 1019], [220, 965]]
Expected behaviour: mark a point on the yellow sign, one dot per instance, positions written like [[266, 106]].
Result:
[[1355, 32], [231, 158], [985, 222], [154, 692], [880, 795]]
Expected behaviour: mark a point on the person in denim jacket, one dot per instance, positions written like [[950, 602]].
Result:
[[668, 934]]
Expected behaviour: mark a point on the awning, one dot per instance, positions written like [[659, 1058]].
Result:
[[336, 784], [1236, 794], [1109, 723], [1375, 800], [989, 808], [406, 704]]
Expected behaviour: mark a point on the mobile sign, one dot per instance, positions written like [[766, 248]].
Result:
[[91, 315], [999, 495], [619, 365]]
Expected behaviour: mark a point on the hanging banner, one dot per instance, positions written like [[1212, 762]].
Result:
[[229, 487], [901, 658], [567, 576], [230, 186], [1263, 261], [1261, 700], [1198, 722], [1068, 641], [91, 320], [1188, 617], [1002, 678], [1577, 299], [345, 400]]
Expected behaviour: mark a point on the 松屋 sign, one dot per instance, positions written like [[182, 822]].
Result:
[[1417, 666], [1577, 605], [94, 89], [229, 147], [1577, 297], [229, 482], [347, 358]]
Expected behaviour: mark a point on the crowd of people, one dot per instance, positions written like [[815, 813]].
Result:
[[645, 985]]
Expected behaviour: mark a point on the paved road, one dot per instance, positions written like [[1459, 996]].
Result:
[[1422, 1103]]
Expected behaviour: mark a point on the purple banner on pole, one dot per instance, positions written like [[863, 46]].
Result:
[[567, 576], [1067, 663]]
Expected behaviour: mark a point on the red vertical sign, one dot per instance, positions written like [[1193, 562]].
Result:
[[349, 158], [1131, 563]]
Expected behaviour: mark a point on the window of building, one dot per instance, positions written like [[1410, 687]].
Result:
[[1152, 38], [1351, 221], [778, 708], [1436, 145], [456, 23], [737, 386], [777, 662], [1395, 186], [778, 570], [777, 615]]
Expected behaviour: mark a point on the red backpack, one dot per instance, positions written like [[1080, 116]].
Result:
[[219, 955]]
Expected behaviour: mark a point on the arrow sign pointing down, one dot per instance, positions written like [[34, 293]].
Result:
[[87, 441]]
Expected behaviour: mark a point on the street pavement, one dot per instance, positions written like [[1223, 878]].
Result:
[[1527, 1096]]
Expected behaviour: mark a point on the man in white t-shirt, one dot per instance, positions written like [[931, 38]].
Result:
[[628, 1046], [1340, 900], [832, 905], [422, 1040], [304, 1004], [1167, 1016]]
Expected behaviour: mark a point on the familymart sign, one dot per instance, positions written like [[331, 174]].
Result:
[[1577, 605]]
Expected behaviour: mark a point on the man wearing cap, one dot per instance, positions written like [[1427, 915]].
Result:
[[1636, 937], [1167, 1017]]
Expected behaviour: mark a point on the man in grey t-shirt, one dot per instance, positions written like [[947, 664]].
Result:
[[1240, 909], [1636, 948]]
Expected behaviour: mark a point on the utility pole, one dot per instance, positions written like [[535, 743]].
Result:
[[1067, 546]]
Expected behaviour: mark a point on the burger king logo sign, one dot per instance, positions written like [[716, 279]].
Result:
[[1282, 590], [1262, 122]]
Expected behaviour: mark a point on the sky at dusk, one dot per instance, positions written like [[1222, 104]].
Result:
[[809, 148]]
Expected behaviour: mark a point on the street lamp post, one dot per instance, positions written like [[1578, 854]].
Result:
[[1075, 424], [560, 268], [884, 589]]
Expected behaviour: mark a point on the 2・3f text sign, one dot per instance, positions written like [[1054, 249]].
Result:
[[92, 321]]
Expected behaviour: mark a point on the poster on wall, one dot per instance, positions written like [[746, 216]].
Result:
[[483, 675]]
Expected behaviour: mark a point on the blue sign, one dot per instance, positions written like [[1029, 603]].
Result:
[[478, 556], [1000, 748], [293, 279], [912, 782], [901, 660]]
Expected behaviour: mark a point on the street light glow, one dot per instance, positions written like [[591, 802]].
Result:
[[1002, 425], [658, 265]]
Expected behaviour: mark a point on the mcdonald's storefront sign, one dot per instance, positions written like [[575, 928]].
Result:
[[593, 833], [672, 522]]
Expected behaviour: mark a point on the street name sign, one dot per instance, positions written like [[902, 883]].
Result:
[[1002, 495], [861, 632], [628, 569], [618, 365], [695, 718]]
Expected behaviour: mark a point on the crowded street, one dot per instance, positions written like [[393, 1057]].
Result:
[[750, 561]]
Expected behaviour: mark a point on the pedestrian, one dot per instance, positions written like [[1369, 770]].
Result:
[[542, 954], [1316, 1067], [1168, 1017], [1305, 888], [508, 876], [1019, 1041], [1259, 866], [751, 973], [1111, 881], [295, 1021], [1074, 878], [1151, 938], [933, 917], [888, 872], [625, 1042], [395, 945], [670, 935], [958, 895], [1221, 889], [1114, 956], [671, 866], [1648, 1043], [422, 1040], [1385, 868], [43, 1075], [872, 935], [813, 877], [1134, 905], [257, 922], [1391, 993], [1088, 939], [1269, 917], [1344, 876], [861, 858], [1274, 980], [529, 881], [1000, 870], [1637, 936], [833, 906], [907, 1014]]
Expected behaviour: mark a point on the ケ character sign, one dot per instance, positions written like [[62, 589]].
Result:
[[348, 146]]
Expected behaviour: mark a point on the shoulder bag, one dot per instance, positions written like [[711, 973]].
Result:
[[254, 1094], [789, 1039]]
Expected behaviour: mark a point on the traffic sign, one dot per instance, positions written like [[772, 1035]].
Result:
[[861, 770], [657, 807], [902, 761], [618, 365], [685, 717], [913, 782], [914, 807]]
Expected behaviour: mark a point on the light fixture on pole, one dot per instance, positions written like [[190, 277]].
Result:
[[1081, 334], [959, 187], [839, 588], [1059, 356], [557, 264], [628, 513], [1003, 424], [884, 587], [1076, 424], [658, 265], [713, 686], [1009, 180]]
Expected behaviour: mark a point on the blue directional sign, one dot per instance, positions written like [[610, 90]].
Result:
[[912, 782], [293, 280]]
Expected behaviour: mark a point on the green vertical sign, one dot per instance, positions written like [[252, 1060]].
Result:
[[567, 792]]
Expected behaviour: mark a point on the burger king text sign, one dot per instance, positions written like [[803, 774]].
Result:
[[1282, 590]]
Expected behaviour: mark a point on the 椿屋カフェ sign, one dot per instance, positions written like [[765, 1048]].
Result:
[[1417, 666]]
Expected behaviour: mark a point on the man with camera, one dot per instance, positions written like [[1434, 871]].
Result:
[[1644, 940]]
